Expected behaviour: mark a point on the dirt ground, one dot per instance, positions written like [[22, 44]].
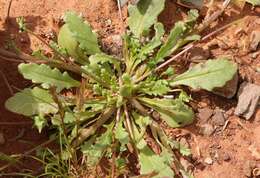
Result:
[[231, 150]]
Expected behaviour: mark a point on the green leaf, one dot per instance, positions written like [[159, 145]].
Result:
[[39, 54], [121, 134], [67, 41], [31, 102], [104, 58], [142, 122], [39, 122], [177, 37], [156, 41], [95, 151], [143, 15], [100, 67], [47, 76], [175, 34], [150, 162], [254, 2], [159, 87], [184, 150], [82, 33], [209, 75], [127, 88], [174, 112], [169, 72]]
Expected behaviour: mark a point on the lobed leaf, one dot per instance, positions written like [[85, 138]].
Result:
[[82, 33], [31, 102], [143, 15], [209, 75], [45, 75]]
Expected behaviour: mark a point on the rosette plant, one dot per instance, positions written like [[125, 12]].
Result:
[[103, 107]]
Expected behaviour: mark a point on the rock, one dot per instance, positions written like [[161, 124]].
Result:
[[207, 129], [226, 157], [208, 161], [218, 119], [229, 90], [248, 98], [204, 114], [2, 138], [254, 40], [117, 40], [198, 54]]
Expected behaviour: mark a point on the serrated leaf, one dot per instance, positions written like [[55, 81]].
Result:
[[150, 162], [82, 33], [209, 75], [143, 15], [159, 87], [31, 102], [174, 112], [45, 75]]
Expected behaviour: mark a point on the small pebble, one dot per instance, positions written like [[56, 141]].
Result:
[[207, 129], [208, 161], [218, 119], [226, 157], [204, 114]]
